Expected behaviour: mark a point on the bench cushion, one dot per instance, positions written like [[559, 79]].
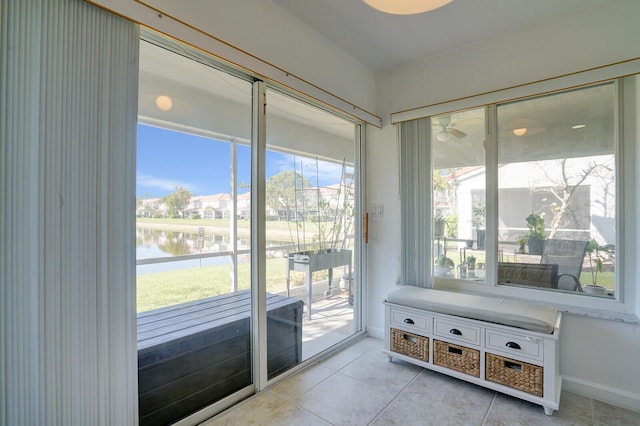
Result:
[[492, 309]]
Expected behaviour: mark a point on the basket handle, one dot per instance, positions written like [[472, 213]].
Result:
[[456, 351], [513, 366], [412, 339]]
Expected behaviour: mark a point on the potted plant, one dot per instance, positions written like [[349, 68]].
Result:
[[597, 254], [536, 235], [478, 222], [471, 263], [444, 266], [439, 223]]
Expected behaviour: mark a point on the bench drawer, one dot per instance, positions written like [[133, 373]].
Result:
[[462, 332], [410, 321], [518, 345]]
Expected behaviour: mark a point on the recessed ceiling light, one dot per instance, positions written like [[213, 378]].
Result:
[[579, 126], [164, 103], [406, 7], [519, 132]]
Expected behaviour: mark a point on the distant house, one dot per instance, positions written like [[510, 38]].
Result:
[[591, 207]]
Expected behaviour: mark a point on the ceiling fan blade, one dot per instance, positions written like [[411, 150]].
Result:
[[468, 122], [457, 133]]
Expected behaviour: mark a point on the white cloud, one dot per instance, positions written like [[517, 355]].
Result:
[[327, 173], [164, 184]]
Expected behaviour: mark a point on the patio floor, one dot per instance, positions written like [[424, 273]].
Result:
[[332, 318]]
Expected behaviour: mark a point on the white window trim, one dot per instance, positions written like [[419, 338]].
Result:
[[626, 305], [550, 85]]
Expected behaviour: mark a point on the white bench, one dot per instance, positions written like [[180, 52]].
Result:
[[506, 345]]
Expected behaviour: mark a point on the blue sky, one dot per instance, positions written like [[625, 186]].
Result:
[[167, 159]]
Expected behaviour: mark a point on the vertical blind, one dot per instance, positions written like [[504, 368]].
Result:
[[68, 94], [415, 187]]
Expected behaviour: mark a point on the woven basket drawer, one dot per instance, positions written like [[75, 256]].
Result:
[[515, 374], [410, 344], [459, 358]]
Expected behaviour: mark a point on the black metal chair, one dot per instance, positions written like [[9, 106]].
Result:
[[569, 256]]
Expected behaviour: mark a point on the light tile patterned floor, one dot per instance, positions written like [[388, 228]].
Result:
[[358, 386]]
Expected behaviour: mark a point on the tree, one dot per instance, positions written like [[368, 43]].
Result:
[[565, 186], [284, 191], [177, 201]]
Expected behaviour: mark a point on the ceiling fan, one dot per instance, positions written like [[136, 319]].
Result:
[[444, 128]]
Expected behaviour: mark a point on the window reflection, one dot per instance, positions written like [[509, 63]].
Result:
[[556, 191], [459, 209]]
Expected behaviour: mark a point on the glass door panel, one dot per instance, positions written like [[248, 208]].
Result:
[[192, 235], [310, 226]]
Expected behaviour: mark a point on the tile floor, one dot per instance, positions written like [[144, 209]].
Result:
[[358, 386]]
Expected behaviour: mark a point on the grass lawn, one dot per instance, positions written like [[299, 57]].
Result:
[[156, 290]]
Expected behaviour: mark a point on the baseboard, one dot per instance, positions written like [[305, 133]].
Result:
[[613, 396], [377, 332]]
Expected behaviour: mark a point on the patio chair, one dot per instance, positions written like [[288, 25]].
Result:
[[569, 256]]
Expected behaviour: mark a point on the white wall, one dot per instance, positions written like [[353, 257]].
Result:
[[383, 250], [589, 38], [594, 37], [266, 31]]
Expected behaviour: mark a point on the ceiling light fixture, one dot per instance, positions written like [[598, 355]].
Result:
[[443, 135], [406, 7], [579, 126], [164, 103], [520, 132]]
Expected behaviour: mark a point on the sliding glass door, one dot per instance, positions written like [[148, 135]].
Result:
[[192, 235], [197, 154], [311, 200]]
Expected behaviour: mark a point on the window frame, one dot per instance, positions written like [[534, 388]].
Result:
[[626, 304]]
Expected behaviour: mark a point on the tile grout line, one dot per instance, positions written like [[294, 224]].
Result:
[[333, 373], [486, 416], [396, 397]]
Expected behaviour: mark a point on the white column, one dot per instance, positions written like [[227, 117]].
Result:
[[68, 94]]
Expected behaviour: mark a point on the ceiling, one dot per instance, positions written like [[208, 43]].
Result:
[[381, 41]]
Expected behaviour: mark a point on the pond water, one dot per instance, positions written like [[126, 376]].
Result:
[[152, 243]]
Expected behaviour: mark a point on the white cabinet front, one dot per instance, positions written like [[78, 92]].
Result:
[[514, 344], [458, 331], [407, 320]]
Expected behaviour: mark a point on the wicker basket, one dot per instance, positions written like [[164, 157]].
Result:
[[410, 344], [459, 358], [515, 374]]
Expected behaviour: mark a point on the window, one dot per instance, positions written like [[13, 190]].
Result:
[[533, 203], [557, 191], [459, 211]]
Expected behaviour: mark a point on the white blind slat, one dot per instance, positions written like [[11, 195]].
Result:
[[68, 88]]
